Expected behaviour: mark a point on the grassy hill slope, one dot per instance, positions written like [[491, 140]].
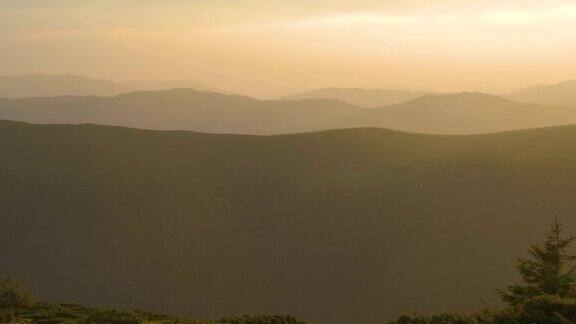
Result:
[[336, 226]]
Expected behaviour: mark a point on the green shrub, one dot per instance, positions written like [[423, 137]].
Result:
[[12, 295], [444, 318], [114, 317], [6, 316], [260, 320], [541, 309]]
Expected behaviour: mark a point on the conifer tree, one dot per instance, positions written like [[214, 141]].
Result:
[[548, 271]]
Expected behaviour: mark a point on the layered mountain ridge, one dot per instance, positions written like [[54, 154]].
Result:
[[188, 109]]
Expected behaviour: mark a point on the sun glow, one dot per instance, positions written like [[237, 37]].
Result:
[[261, 48]]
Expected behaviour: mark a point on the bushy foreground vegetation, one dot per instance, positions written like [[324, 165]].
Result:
[[17, 306], [547, 294]]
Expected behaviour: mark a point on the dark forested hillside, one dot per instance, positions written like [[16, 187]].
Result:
[[336, 226]]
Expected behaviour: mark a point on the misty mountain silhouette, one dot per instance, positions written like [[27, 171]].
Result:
[[465, 113], [167, 85], [187, 109], [342, 226], [561, 94], [38, 85], [361, 97]]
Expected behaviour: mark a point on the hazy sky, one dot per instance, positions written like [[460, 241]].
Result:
[[274, 47]]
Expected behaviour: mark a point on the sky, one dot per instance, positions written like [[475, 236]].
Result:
[[269, 48]]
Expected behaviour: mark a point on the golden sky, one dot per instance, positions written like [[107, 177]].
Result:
[[268, 48]]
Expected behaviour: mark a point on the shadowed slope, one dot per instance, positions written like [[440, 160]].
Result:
[[338, 226]]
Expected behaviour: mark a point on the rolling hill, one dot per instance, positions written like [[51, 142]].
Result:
[[38, 85], [187, 109], [361, 97], [560, 94], [180, 109], [464, 113], [341, 226]]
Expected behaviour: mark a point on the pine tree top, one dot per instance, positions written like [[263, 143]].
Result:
[[548, 270]]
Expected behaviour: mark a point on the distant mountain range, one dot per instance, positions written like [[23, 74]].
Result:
[[166, 85], [465, 113], [46, 85], [361, 97], [179, 109], [342, 226], [186, 109], [37, 85], [561, 94]]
